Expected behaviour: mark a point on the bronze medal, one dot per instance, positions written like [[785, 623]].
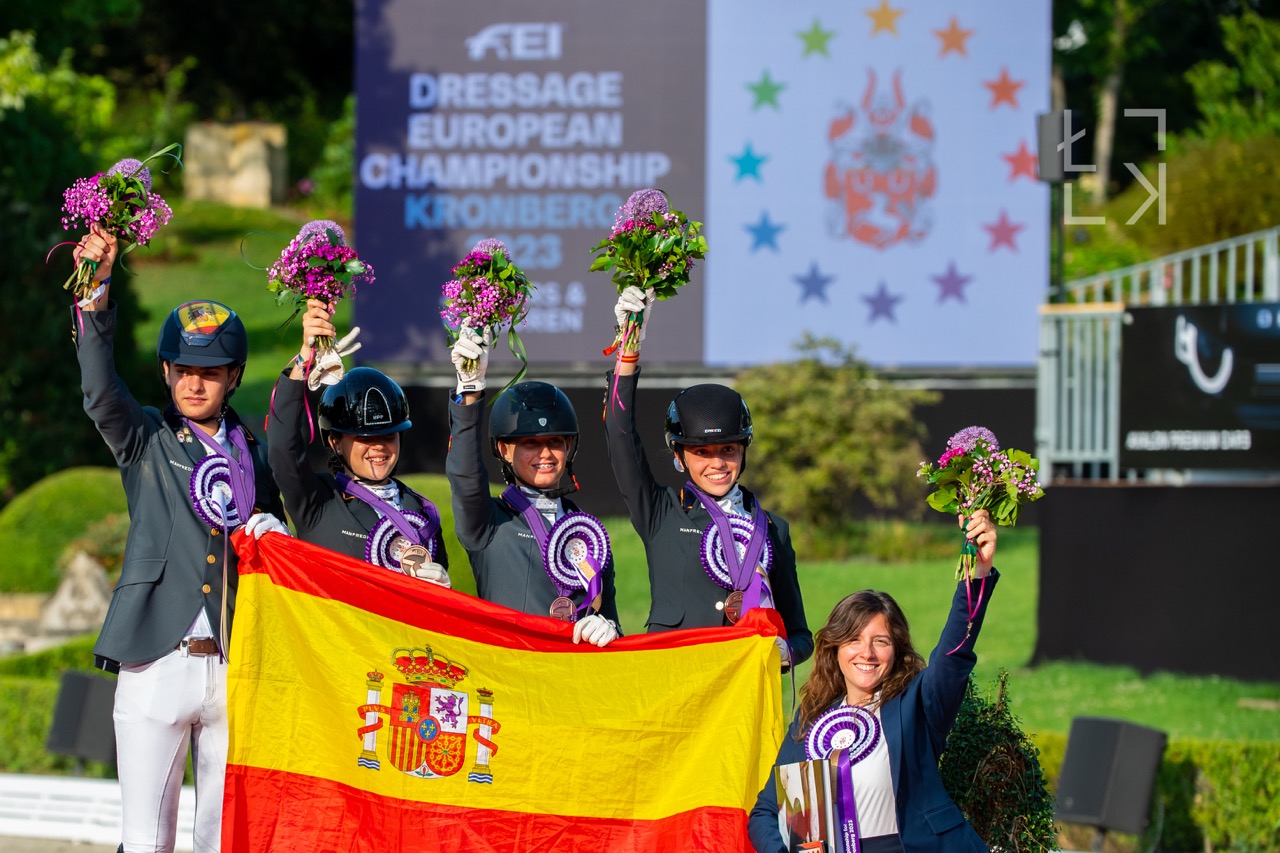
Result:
[[733, 606], [563, 609]]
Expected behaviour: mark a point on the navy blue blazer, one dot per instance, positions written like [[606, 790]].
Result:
[[916, 724]]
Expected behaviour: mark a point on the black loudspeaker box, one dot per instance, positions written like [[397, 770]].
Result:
[[1108, 774], [82, 723]]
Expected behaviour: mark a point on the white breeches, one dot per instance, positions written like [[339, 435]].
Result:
[[160, 707]]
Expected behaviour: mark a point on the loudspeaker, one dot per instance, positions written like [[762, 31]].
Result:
[[1108, 774], [82, 723], [1050, 129]]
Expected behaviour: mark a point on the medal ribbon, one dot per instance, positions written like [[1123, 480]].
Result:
[[751, 585], [413, 534], [243, 487], [244, 491], [538, 525]]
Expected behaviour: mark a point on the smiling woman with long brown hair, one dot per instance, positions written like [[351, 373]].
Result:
[[874, 707]]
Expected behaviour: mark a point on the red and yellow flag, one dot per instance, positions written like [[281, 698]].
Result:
[[374, 712]]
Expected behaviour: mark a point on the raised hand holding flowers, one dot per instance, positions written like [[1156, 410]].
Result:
[[650, 252], [121, 202], [974, 473], [487, 291], [318, 264]]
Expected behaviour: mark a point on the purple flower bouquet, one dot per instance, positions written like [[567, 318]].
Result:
[[974, 473], [488, 291], [318, 264], [121, 201], [651, 246]]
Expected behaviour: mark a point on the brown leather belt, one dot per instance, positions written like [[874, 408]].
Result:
[[200, 646]]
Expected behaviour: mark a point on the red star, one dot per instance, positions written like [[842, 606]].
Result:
[[1004, 90], [1023, 162], [1002, 233], [953, 38]]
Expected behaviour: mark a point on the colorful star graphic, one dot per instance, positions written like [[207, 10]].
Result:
[[953, 38], [882, 303], [764, 234], [766, 91], [815, 39], [951, 284], [813, 284], [748, 163], [884, 18], [1022, 162], [1004, 90], [1002, 232]]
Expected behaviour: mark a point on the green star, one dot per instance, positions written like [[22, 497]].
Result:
[[815, 39], [766, 91]]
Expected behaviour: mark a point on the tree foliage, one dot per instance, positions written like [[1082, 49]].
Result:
[[992, 770], [51, 118], [837, 436], [1240, 99]]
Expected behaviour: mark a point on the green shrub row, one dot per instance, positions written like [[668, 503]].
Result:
[[1210, 795]]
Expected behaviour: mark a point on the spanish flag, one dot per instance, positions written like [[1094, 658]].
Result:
[[373, 712]]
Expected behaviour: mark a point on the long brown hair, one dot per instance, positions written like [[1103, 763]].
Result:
[[847, 620]]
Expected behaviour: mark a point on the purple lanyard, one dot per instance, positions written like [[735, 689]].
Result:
[[743, 572], [243, 488], [538, 525], [413, 534]]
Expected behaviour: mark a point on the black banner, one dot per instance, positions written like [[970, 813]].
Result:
[[1200, 387]]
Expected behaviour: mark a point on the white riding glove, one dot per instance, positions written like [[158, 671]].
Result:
[[433, 573], [264, 522], [784, 649], [348, 344], [470, 356], [633, 300], [595, 629]]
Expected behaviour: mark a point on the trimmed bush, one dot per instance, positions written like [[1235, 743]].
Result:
[[37, 525], [992, 771]]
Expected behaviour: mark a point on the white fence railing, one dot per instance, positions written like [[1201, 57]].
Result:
[[1078, 382]]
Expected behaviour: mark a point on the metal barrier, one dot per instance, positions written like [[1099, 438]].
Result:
[[1241, 269], [1078, 381]]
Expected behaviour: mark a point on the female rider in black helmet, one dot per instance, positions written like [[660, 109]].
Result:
[[531, 549], [694, 582], [358, 508]]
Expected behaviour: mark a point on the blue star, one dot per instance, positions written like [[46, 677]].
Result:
[[764, 233], [813, 284], [748, 163], [951, 283], [882, 303]]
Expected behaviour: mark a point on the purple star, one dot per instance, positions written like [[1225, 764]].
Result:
[[882, 303], [813, 284], [951, 284]]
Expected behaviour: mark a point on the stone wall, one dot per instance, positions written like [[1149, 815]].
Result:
[[242, 164]]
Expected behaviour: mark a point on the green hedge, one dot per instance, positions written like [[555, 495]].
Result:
[[1215, 795], [36, 527], [26, 711]]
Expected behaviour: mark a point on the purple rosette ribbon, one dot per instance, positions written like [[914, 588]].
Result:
[[386, 543], [714, 560], [575, 553], [212, 494], [850, 733]]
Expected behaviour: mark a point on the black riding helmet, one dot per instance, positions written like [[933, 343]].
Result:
[[364, 402], [534, 408], [708, 414], [204, 333]]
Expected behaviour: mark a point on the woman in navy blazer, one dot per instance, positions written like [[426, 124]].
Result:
[[864, 657]]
